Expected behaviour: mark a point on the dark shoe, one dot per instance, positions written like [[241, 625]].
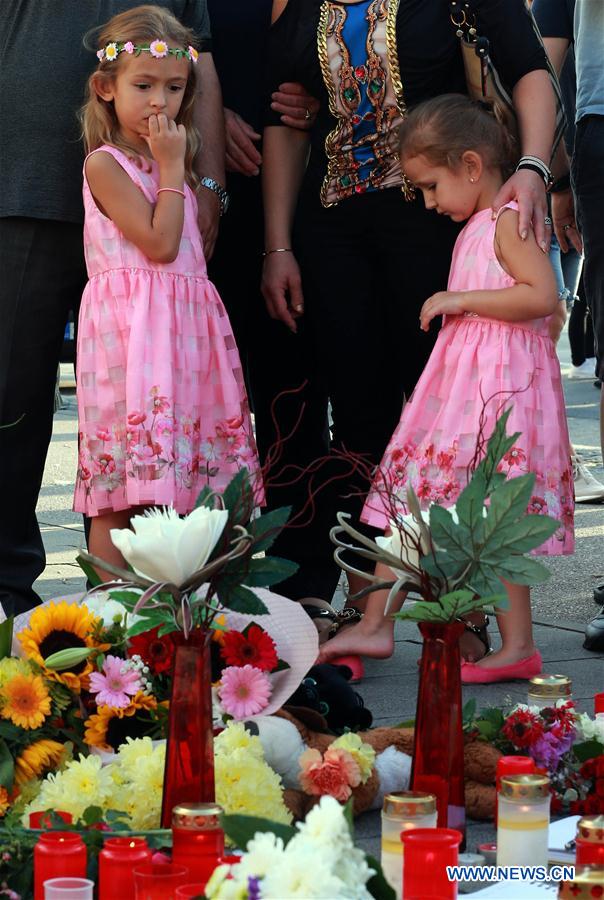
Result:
[[481, 633], [599, 594], [594, 634]]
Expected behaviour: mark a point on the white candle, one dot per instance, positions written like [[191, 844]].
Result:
[[403, 811], [545, 690], [523, 820]]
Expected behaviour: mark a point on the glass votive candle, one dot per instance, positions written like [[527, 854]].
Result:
[[428, 852], [587, 878], [402, 811], [523, 824], [158, 881], [117, 861], [590, 841], [42, 819], [197, 838], [68, 889], [58, 854], [186, 891], [599, 703], [545, 690], [511, 765]]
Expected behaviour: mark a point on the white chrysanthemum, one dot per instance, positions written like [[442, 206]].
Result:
[[264, 851], [301, 873], [590, 729], [325, 825]]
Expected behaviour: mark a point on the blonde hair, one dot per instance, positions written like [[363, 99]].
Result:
[[140, 25], [444, 128]]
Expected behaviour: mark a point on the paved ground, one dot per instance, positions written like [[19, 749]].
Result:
[[562, 606]]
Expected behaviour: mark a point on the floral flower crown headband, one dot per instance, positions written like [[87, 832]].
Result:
[[158, 48]]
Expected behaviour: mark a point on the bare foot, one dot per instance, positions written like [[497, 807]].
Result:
[[506, 657], [360, 639]]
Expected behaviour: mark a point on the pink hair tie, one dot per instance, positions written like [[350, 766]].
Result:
[[172, 191]]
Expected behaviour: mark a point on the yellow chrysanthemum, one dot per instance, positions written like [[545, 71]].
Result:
[[38, 759], [363, 754], [25, 701], [236, 737], [11, 666], [101, 729], [56, 627], [4, 801]]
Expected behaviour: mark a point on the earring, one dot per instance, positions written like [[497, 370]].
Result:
[[471, 180]]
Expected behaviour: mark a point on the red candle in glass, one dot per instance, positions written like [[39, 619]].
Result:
[[590, 841], [511, 765], [58, 854], [599, 703], [117, 860], [197, 838], [427, 853], [42, 819]]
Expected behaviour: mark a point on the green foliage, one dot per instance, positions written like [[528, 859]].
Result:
[[377, 885], [7, 766], [6, 637], [585, 750], [242, 829], [89, 571], [268, 526], [240, 599]]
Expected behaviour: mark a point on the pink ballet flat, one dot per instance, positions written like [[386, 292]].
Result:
[[354, 663], [471, 673]]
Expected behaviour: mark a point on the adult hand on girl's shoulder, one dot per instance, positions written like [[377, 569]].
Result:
[[282, 288], [444, 303], [528, 190], [167, 140]]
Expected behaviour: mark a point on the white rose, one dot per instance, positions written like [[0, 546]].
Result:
[[405, 543], [165, 547]]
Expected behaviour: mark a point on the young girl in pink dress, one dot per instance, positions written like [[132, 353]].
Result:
[[161, 402], [494, 346]]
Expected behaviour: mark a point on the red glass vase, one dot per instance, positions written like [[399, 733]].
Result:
[[189, 771], [438, 765]]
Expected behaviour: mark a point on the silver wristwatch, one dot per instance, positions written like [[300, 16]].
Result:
[[220, 192]]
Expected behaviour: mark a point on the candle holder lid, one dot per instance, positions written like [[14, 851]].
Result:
[[409, 803], [525, 787], [591, 828], [197, 816], [586, 877], [550, 686]]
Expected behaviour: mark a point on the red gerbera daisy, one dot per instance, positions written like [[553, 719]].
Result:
[[156, 652], [251, 647], [522, 728]]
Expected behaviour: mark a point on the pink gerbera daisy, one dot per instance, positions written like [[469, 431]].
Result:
[[244, 691], [116, 684]]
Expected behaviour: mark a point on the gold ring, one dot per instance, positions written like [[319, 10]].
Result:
[[566, 227]]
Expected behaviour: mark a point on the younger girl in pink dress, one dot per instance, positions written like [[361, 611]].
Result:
[[494, 343], [161, 402]]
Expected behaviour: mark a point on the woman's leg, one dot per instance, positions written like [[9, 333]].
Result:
[[515, 627], [100, 543], [374, 634]]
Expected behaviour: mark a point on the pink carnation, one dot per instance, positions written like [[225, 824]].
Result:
[[129, 47], [335, 773], [244, 691]]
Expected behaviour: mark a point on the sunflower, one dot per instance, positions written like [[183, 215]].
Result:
[[25, 701], [38, 759], [110, 727], [56, 627]]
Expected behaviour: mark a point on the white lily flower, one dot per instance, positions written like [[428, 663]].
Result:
[[404, 542], [165, 547]]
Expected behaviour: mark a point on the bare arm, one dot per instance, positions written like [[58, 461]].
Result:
[[533, 297], [156, 229], [209, 120], [285, 156]]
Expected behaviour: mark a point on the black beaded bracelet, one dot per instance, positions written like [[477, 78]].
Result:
[[561, 184], [533, 167]]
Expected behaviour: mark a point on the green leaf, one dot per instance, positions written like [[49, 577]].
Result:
[[242, 829], [92, 815], [167, 629], [522, 570], [519, 537], [468, 712], [470, 504], [268, 526], [423, 611], [377, 885], [238, 497], [349, 816], [241, 599], [440, 565], [7, 766], [129, 599], [206, 497], [89, 571], [268, 570], [484, 580], [454, 538], [6, 637], [508, 503], [149, 622], [585, 750]]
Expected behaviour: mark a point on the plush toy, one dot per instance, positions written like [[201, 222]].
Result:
[[327, 690], [285, 737]]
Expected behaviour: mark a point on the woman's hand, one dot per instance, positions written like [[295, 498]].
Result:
[[563, 214], [298, 109], [241, 154], [282, 288], [167, 140], [444, 303], [528, 190]]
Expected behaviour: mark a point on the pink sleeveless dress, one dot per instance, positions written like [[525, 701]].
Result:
[[478, 358], [161, 401]]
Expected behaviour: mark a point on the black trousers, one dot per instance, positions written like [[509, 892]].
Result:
[[588, 183], [368, 265], [42, 275], [274, 361]]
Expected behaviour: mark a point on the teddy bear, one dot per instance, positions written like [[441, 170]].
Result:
[[287, 734]]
